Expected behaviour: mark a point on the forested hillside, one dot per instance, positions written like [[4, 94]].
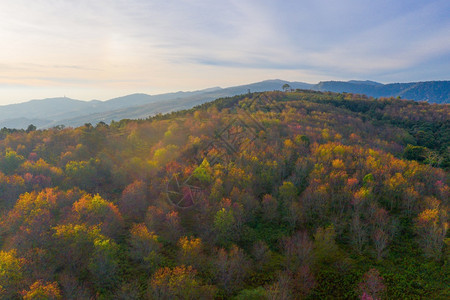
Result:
[[298, 195]]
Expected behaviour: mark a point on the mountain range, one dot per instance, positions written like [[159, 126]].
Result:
[[50, 112]]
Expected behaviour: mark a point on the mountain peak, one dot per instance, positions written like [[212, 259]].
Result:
[[368, 82]]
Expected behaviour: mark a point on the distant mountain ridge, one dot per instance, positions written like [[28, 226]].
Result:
[[71, 112], [431, 91]]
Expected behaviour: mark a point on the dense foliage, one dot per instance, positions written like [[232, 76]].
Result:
[[297, 195]]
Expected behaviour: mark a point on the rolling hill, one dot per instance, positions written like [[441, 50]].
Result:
[[51, 112]]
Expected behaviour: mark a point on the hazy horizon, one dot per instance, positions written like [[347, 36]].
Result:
[[152, 94], [187, 90], [109, 48]]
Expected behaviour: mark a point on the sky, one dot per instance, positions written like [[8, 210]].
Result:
[[103, 49]]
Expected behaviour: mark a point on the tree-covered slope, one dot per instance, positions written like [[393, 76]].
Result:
[[298, 195]]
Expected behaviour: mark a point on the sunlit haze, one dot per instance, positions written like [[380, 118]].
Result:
[[109, 48]]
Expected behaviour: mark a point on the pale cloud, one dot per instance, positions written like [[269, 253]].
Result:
[[105, 48]]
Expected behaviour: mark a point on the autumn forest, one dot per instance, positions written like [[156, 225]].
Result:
[[274, 195]]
